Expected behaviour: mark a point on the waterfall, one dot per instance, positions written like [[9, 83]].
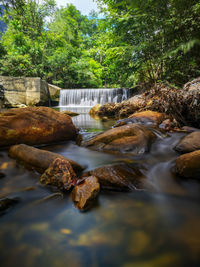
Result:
[[91, 97]]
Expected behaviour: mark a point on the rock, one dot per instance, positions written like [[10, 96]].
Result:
[[24, 90], [148, 117], [132, 105], [120, 176], [188, 166], [85, 193], [133, 138], [109, 110], [6, 203], [166, 125], [189, 143], [189, 129], [70, 113], [37, 158], [124, 108], [94, 110], [54, 91], [137, 101], [59, 174], [35, 125]]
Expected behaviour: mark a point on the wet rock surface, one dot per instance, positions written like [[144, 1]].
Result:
[[35, 125], [85, 193], [94, 110], [188, 165], [37, 158], [60, 174], [124, 109], [70, 113], [148, 117], [122, 177], [133, 138], [189, 143]]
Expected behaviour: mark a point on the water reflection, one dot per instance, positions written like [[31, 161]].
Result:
[[85, 121]]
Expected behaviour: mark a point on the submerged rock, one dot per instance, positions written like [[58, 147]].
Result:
[[60, 174], [37, 158], [85, 193], [6, 203], [118, 177], [188, 165], [70, 113], [132, 138], [35, 125], [189, 143]]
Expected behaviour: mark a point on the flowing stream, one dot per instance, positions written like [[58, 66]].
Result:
[[138, 229]]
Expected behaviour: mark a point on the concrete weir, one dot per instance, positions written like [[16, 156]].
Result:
[[24, 91]]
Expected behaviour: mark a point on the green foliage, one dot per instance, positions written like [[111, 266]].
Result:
[[137, 41], [164, 36]]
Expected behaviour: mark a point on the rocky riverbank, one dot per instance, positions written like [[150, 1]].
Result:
[[180, 104]]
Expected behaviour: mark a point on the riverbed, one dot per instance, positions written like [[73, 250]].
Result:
[[159, 227]]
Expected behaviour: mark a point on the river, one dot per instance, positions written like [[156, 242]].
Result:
[[139, 229]]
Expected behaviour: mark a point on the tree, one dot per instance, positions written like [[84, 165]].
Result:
[[163, 36]]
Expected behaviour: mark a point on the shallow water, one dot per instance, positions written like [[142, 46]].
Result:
[[139, 229]]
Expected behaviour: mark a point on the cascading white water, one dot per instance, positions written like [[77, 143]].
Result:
[[91, 97]]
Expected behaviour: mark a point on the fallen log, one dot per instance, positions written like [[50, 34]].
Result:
[[38, 159]]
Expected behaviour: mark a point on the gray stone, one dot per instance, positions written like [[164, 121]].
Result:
[[24, 90]]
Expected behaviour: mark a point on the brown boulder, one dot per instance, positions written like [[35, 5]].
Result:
[[148, 117], [94, 110], [188, 166], [85, 193], [133, 138], [189, 143], [109, 109], [118, 177], [35, 125], [37, 158], [59, 174]]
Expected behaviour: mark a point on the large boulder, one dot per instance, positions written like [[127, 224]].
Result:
[[60, 174], [189, 143], [35, 125], [118, 177], [133, 138], [38, 159], [85, 193], [188, 166]]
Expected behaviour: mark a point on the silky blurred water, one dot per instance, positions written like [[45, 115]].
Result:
[[139, 229]]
